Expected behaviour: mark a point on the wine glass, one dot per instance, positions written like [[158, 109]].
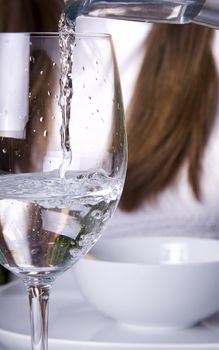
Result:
[[62, 157]]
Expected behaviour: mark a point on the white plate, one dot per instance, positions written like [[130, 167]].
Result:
[[75, 325]]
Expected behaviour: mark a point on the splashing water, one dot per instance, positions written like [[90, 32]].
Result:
[[66, 43]]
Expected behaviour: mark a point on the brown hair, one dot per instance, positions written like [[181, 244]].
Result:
[[30, 15], [172, 111]]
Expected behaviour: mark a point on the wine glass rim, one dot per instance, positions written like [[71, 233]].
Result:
[[56, 34]]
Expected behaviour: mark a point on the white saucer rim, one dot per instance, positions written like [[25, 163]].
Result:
[[103, 344], [97, 345]]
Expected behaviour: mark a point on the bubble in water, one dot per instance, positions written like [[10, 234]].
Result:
[[107, 215], [96, 214], [4, 150], [80, 177], [75, 252], [68, 93], [62, 101]]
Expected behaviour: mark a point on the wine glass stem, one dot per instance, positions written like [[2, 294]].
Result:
[[39, 303]]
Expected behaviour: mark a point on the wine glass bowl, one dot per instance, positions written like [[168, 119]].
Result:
[[62, 155]]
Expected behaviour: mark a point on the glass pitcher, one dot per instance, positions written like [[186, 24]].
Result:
[[205, 12]]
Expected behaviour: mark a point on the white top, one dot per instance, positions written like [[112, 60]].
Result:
[[176, 211]]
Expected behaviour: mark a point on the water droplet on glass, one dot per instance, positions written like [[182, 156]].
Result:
[[89, 97], [41, 72], [30, 94], [4, 150], [45, 133], [41, 119], [83, 68], [32, 59], [34, 130], [53, 64], [17, 153], [49, 93]]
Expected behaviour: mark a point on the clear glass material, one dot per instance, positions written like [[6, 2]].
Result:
[[209, 14], [62, 157], [172, 11], [204, 12]]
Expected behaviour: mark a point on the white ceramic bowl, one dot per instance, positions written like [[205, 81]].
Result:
[[152, 282]]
